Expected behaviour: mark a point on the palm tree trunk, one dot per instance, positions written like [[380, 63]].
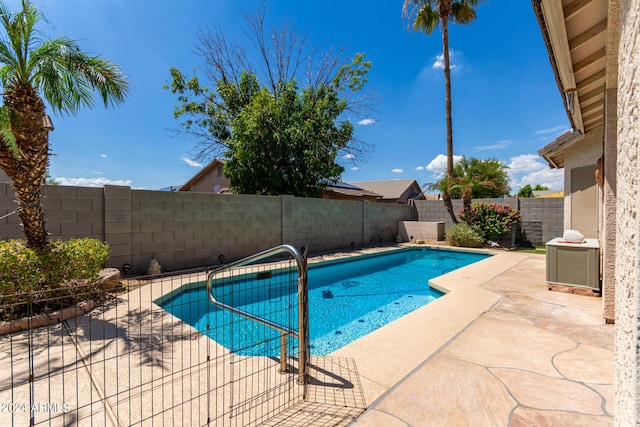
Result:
[[445, 9], [467, 197], [26, 164]]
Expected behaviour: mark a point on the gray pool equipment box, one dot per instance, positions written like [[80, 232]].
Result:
[[574, 264]]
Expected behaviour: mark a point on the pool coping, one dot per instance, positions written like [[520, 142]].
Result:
[[402, 350], [389, 354]]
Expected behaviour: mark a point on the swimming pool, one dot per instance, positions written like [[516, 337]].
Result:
[[347, 300]]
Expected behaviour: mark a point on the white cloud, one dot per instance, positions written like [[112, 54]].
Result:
[[397, 170], [435, 68], [551, 178], [355, 168], [366, 122], [533, 170], [497, 146], [96, 172], [526, 163], [439, 164], [191, 163], [419, 168], [556, 130], [91, 182], [349, 156], [104, 156], [439, 61]]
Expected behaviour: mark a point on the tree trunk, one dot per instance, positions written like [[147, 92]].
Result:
[[467, 197], [445, 9], [26, 163]]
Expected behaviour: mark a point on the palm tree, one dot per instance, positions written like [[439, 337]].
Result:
[[426, 16], [478, 178], [33, 68]]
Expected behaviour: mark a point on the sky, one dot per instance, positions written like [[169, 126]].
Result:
[[506, 104]]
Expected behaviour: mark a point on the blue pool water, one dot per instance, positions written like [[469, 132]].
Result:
[[347, 300]]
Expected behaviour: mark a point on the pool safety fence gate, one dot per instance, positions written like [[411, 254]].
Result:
[[285, 331], [157, 351]]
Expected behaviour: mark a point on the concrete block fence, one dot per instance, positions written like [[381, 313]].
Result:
[[186, 230], [542, 218]]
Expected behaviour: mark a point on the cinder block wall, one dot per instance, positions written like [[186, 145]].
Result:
[[327, 226], [383, 221], [542, 218], [434, 210], [549, 212], [186, 230], [70, 212]]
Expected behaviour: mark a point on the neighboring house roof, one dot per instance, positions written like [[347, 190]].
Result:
[[351, 191], [582, 46], [205, 175], [400, 190], [211, 179], [548, 193]]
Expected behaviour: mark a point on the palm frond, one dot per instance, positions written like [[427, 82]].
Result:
[[462, 12], [68, 77], [422, 15]]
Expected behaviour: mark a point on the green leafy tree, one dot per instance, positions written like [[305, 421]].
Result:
[[49, 180], [32, 68], [475, 178], [427, 15], [526, 191], [280, 136], [298, 156], [539, 187]]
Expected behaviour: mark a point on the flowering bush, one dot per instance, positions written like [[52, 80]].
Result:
[[491, 220]]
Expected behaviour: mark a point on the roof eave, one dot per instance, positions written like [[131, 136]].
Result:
[[537, 7]]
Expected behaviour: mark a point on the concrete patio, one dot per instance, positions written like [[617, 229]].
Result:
[[499, 349], [532, 358]]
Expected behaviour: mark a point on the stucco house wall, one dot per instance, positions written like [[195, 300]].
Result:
[[627, 336], [210, 180], [584, 153]]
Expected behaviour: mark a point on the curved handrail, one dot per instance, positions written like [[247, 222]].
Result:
[[301, 334]]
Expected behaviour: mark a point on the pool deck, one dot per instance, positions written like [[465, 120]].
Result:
[[499, 349]]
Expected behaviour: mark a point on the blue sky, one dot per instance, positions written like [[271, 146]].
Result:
[[506, 103]]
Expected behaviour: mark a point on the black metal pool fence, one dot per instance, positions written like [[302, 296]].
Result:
[[86, 355]]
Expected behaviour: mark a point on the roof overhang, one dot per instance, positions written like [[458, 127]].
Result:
[[581, 38], [555, 152]]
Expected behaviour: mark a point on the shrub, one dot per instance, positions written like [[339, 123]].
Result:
[[59, 276], [464, 235], [75, 259], [20, 267], [491, 220]]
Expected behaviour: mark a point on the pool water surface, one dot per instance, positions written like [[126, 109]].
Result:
[[347, 300]]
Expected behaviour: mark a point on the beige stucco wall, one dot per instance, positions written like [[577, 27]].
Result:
[[583, 153], [208, 181], [608, 215], [627, 335]]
